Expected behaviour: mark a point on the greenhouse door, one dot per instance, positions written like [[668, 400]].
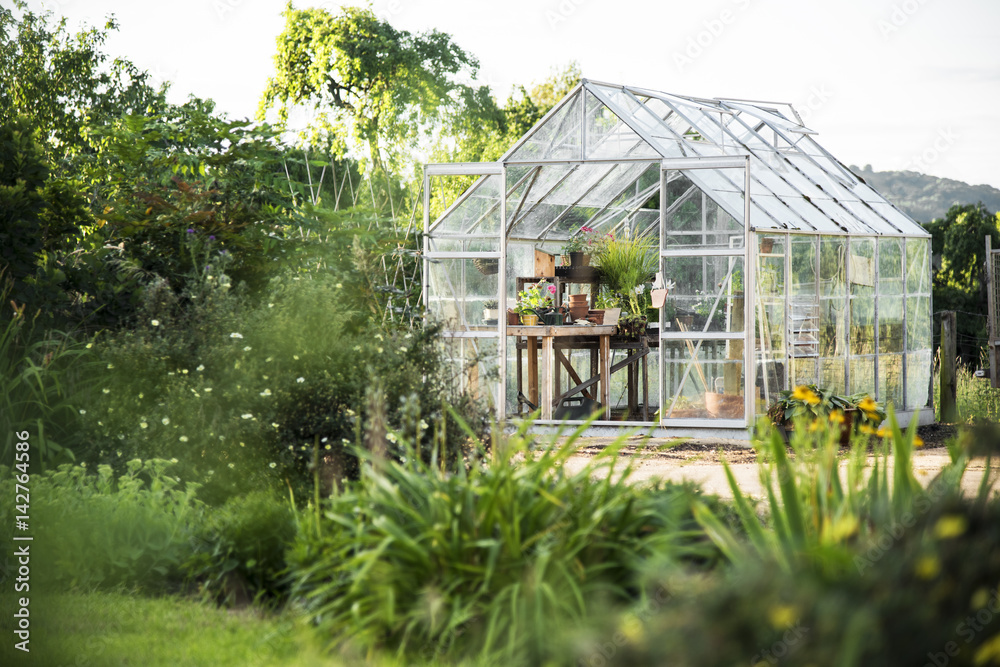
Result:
[[463, 254], [705, 320]]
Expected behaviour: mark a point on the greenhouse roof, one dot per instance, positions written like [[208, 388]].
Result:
[[595, 157]]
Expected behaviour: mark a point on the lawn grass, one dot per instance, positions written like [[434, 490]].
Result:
[[128, 629]]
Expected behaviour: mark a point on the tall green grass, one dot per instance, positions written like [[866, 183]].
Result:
[[820, 506], [42, 382]]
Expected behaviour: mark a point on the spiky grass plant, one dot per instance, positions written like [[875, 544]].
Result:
[[627, 262], [494, 558], [820, 505]]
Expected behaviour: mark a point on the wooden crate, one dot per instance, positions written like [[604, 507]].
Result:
[[545, 264]]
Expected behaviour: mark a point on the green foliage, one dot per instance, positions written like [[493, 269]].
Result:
[[495, 558], [960, 283], [383, 85], [42, 385], [239, 551], [821, 515], [62, 81], [812, 402], [628, 262], [929, 589], [239, 390], [102, 530]]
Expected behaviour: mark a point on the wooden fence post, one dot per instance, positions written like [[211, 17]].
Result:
[[949, 378]]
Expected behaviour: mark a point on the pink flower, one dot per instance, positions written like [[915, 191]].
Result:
[[552, 289]]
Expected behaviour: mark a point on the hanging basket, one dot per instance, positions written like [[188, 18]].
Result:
[[487, 267]]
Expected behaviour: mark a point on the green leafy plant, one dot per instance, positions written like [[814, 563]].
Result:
[[626, 264], [239, 551], [812, 401], [480, 560], [42, 385], [99, 530], [537, 299]]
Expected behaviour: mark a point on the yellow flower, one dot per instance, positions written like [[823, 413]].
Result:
[[837, 417], [804, 393], [866, 429], [882, 432], [952, 525], [782, 616], [814, 425], [918, 441], [869, 407], [928, 567]]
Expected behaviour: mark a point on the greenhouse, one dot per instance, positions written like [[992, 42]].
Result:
[[763, 263]]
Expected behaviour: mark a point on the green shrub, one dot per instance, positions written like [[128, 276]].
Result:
[[101, 531], [419, 559], [927, 595], [239, 552], [239, 392]]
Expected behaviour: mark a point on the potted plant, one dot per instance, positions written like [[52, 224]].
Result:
[[858, 411], [627, 264], [490, 312], [586, 243], [535, 301]]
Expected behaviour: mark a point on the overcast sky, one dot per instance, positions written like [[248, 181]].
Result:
[[899, 84]]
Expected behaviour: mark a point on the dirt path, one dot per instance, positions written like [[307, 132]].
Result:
[[700, 461]]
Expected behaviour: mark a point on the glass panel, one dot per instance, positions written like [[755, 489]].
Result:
[[693, 219], [890, 266], [917, 269], [479, 211], [458, 288], [862, 325], [803, 370], [709, 388], [862, 375], [890, 379], [708, 295], [832, 371], [803, 279], [832, 279], [476, 365], [608, 137], [890, 324], [918, 323], [861, 270], [918, 377], [558, 139], [832, 327]]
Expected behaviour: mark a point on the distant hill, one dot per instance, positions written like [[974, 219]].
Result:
[[924, 197]]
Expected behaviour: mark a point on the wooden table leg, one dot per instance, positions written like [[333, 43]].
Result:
[[519, 372], [533, 369], [547, 368], [645, 386], [605, 361]]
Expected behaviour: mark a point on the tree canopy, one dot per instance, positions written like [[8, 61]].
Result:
[[366, 78]]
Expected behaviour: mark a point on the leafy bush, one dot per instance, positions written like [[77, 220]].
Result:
[[928, 595], [101, 531], [240, 392], [418, 559], [239, 553]]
